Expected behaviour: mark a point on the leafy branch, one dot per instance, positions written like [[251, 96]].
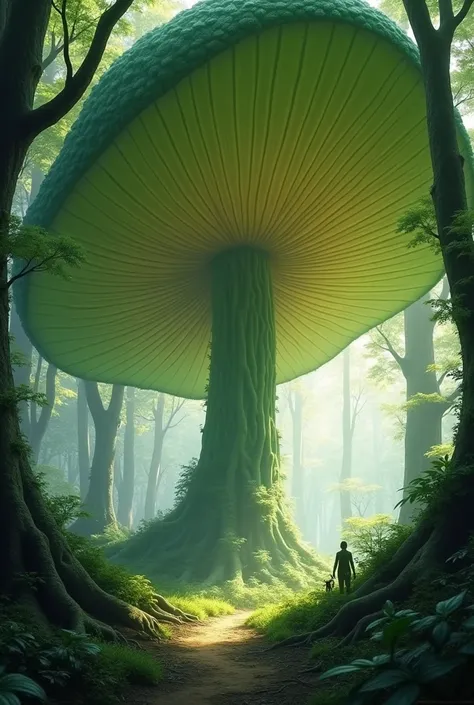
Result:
[[37, 250]]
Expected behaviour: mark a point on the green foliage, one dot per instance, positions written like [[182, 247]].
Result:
[[15, 685], [420, 222], [296, 615], [436, 649], [57, 487], [38, 250], [184, 481], [68, 662], [373, 541], [429, 486], [22, 393]]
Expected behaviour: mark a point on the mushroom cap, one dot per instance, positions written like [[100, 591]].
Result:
[[297, 126]]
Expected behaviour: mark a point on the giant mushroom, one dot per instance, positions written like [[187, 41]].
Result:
[[235, 180]]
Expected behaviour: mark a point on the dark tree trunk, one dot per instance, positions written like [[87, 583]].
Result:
[[99, 500], [450, 524], [64, 594], [424, 420], [83, 439], [155, 464], [127, 483], [347, 434], [39, 422]]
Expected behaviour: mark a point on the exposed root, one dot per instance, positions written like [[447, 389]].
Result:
[[359, 630]]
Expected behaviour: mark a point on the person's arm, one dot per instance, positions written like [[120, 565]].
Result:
[[351, 561], [335, 565]]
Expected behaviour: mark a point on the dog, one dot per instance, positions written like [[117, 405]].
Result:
[[329, 584]]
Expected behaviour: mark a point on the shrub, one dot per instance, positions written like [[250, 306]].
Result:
[[437, 655], [13, 685], [373, 541]]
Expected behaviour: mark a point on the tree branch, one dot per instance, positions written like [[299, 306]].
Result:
[[446, 14], [398, 358], [94, 400], [66, 40], [51, 112], [46, 411], [116, 400], [419, 18], [463, 12]]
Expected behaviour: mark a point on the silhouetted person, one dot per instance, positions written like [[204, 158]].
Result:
[[344, 563]]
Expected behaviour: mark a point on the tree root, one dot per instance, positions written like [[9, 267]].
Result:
[[394, 582]]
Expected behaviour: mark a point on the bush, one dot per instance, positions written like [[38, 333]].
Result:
[[68, 662], [303, 613], [373, 541], [437, 656]]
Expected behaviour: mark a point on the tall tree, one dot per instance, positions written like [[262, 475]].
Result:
[[38, 423], [449, 525], [98, 503], [161, 426], [351, 408], [425, 404], [127, 479], [31, 542], [83, 439]]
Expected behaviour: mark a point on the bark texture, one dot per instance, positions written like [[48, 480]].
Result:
[[232, 521], [99, 503], [83, 439], [450, 523]]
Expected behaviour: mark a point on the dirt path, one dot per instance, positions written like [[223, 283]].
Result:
[[223, 662]]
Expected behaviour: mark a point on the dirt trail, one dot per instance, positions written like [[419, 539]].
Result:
[[223, 662]]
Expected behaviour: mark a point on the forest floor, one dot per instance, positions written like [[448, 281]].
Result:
[[224, 662]]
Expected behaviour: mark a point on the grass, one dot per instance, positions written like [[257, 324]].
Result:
[[132, 666], [298, 614]]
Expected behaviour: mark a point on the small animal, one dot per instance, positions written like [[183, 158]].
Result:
[[329, 584]]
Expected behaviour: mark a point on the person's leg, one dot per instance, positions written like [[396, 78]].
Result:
[[348, 583], [340, 580]]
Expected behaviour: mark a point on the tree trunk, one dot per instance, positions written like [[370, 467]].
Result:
[[155, 464], [424, 420], [297, 478], [346, 465], [83, 439], [127, 484], [449, 525], [39, 423], [99, 500], [232, 521]]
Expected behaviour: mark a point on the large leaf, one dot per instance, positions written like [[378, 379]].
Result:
[[9, 699], [18, 683], [363, 663], [425, 623], [383, 680], [433, 670], [339, 671], [394, 630], [376, 623], [449, 606], [468, 624], [467, 649], [406, 695], [441, 633]]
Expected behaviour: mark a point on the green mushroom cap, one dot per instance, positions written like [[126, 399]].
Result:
[[296, 127]]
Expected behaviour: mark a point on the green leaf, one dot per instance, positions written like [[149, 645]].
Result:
[[389, 609], [449, 606], [469, 623], [441, 633], [393, 631], [406, 695], [376, 623], [425, 623], [339, 671], [18, 683], [9, 699], [381, 660], [383, 680], [437, 669], [406, 613], [362, 663], [467, 649]]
